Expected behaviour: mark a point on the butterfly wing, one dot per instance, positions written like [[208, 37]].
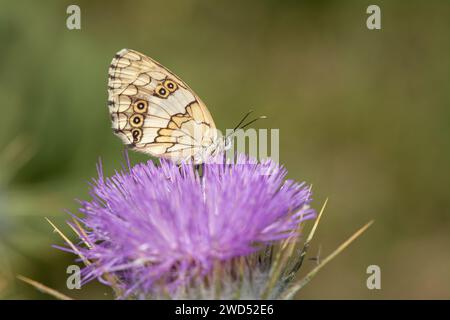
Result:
[[154, 111]]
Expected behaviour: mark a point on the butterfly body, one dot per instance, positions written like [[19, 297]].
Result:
[[155, 112]]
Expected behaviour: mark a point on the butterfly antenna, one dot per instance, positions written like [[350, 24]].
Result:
[[252, 121], [238, 125], [242, 120]]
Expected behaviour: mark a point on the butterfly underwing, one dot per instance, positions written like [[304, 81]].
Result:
[[153, 111]]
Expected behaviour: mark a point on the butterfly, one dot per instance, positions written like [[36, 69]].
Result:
[[155, 112]]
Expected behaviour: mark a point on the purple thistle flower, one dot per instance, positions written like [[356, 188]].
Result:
[[167, 231]]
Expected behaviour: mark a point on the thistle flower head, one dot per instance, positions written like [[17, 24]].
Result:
[[167, 230]]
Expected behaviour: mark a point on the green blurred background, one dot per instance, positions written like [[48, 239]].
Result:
[[363, 116]]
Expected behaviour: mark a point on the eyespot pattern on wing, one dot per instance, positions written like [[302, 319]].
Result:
[[154, 111]]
